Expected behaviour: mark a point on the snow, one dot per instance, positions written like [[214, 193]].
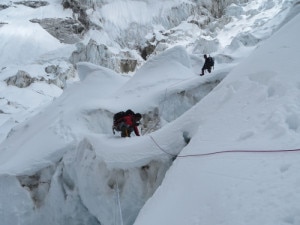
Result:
[[214, 151], [123, 13], [20, 36], [254, 108]]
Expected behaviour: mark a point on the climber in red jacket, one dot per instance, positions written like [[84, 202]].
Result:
[[126, 122], [130, 123]]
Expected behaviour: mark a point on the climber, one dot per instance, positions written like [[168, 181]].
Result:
[[208, 64], [126, 122]]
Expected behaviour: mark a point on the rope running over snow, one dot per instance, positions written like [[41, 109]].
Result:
[[211, 153], [224, 151]]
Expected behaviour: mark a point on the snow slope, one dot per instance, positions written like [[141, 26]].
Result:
[[23, 41], [73, 136], [63, 165], [26, 46], [255, 107]]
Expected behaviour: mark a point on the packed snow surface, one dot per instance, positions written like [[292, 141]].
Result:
[[218, 149]]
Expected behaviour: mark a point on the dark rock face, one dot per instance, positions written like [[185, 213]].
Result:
[[79, 8], [3, 7], [1, 24], [148, 50], [72, 4], [22, 79], [100, 54], [128, 65], [33, 4], [56, 75], [67, 30]]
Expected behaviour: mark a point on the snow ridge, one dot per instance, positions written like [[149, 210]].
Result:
[[60, 163]]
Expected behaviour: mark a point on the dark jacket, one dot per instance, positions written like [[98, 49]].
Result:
[[206, 64]]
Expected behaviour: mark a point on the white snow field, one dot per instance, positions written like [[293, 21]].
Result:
[[217, 149]]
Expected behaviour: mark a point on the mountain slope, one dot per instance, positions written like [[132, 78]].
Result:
[[61, 164], [254, 108]]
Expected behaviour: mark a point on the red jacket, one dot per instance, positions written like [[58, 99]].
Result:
[[130, 120]]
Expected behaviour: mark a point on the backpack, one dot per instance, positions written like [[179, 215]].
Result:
[[211, 61], [117, 117], [129, 112]]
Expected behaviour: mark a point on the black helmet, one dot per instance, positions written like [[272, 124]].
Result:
[[138, 116], [129, 112]]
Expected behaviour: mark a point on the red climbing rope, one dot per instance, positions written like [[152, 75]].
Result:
[[224, 151]]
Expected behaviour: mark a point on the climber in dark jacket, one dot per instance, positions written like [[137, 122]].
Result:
[[207, 65]]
